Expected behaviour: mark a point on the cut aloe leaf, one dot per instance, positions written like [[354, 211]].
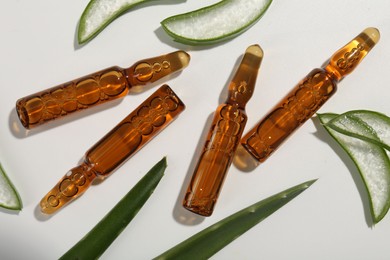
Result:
[[209, 241], [9, 197], [371, 160], [218, 22], [100, 237], [100, 13], [377, 126]]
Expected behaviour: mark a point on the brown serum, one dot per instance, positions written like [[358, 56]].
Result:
[[223, 137], [302, 102], [94, 89], [125, 139]]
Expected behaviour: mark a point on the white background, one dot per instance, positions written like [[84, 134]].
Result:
[[328, 221]]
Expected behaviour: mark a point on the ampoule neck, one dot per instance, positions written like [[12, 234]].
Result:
[[72, 185], [243, 83], [346, 59], [239, 95], [153, 69]]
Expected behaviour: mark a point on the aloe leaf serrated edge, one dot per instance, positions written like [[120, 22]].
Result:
[[100, 237], [212, 239]]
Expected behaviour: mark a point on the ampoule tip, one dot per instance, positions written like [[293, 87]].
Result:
[[373, 34], [255, 50], [184, 58]]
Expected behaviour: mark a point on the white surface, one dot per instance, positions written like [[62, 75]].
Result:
[[328, 221]]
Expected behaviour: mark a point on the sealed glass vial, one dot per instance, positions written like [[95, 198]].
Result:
[[223, 137], [130, 135], [303, 101], [94, 89]]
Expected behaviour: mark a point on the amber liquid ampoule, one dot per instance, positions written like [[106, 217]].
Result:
[[132, 133], [303, 101], [97, 88], [224, 136]]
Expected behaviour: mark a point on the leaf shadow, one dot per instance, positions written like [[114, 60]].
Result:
[[9, 211], [325, 137]]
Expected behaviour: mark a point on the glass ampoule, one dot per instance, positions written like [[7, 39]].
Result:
[[302, 101], [130, 135], [223, 137], [94, 89]]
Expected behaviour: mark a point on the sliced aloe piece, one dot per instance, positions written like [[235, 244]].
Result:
[[377, 126], [221, 21], [100, 13], [9, 197], [371, 160], [209, 241]]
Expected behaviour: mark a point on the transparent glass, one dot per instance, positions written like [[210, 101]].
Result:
[[223, 137], [303, 101], [94, 89], [131, 134]]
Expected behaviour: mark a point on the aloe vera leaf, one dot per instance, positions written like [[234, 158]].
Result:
[[98, 239], [377, 126], [212, 239], [99, 14], [9, 197], [372, 163], [215, 23]]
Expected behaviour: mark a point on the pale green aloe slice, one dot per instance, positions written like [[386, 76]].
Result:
[[218, 22], [377, 126], [100, 13], [9, 197], [209, 241], [371, 160]]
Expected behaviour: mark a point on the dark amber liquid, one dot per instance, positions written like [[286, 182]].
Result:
[[223, 137], [97, 88], [215, 160], [305, 99], [298, 106], [134, 131], [130, 135]]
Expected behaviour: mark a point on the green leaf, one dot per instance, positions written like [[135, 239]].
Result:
[[376, 126], [215, 23], [212, 239], [370, 159], [9, 197], [96, 241], [100, 13]]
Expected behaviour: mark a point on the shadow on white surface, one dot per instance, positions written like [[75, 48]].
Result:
[[322, 135], [41, 216], [9, 211]]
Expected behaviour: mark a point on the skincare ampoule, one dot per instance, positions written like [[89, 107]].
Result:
[[130, 135], [223, 137], [303, 101], [94, 89]]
